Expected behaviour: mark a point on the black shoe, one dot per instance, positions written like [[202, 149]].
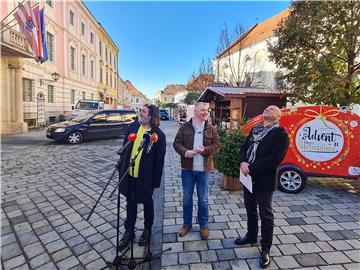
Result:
[[245, 240], [144, 238], [126, 239], [265, 259]]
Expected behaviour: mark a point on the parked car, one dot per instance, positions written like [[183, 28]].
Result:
[[83, 106], [97, 124], [164, 115]]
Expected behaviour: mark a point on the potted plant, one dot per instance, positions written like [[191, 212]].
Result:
[[227, 160]]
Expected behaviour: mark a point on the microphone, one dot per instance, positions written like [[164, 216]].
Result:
[[153, 139], [145, 138], [131, 139]]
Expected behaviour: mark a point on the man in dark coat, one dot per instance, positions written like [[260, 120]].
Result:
[[141, 180], [263, 151]]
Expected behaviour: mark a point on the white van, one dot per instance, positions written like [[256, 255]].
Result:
[[83, 106]]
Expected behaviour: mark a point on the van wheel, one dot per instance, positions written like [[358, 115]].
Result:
[[291, 180], [75, 137]]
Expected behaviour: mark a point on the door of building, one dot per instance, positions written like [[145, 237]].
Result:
[[40, 121]]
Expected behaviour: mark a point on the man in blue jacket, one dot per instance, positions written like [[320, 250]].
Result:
[[263, 151], [139, 184]]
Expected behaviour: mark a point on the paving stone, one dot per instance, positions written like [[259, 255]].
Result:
[[215, 244], [195, 246], [34, 249], [354, 255], [202, 266], [88, 257], [239, 265], [14, 262], [169, 259], [10, 251], [309, 260], [61, 254], [225, 254], [334, 257], [352, 266], [247, 252], [81, 248], [289, 249], [208, 256], [286, 262], [340, 245], [306, 237], [221, 265], [39, 260], [68, 263], [95, 265], [189, 257]]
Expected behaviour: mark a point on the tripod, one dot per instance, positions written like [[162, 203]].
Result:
[[118, 260]]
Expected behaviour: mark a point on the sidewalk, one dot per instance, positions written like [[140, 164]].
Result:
[[316, 229]]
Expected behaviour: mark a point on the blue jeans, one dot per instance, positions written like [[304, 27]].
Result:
[[189, 179]]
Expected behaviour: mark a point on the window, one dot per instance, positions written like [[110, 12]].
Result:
[[28, 90], [72, 58], [101, 117], [100, 48], [92, 96], [101, 74], [114, 118], [52, 119], [111, 80], [92, 38], [107, 78], [51, 94], [82, 29], [83, 61], [92, 69], [83, 94], [72, 96], [51, 46], [106, 54], [50, 3], [110, 58], [72, 17], [165, 99], [137, 101], [114, 62]]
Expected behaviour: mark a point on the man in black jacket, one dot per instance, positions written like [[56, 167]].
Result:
[[139, 184], [263, 151]]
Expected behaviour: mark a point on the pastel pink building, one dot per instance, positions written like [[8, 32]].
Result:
[[73, 52]]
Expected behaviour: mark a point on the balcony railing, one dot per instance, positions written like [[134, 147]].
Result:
[[14, 43]]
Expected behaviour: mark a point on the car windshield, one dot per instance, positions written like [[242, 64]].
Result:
[[83, 117], [86, 105]]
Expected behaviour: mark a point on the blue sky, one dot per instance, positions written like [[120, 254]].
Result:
[[164, 42]]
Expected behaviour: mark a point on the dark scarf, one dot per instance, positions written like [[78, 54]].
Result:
[[258, 133]]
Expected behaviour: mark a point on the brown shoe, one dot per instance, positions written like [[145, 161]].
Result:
[[204, 233], [184, 230]]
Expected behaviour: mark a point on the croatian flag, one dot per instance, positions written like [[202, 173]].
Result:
[[26, 19]]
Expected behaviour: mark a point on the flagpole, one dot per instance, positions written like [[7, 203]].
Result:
[[6, 25], [13, 10]]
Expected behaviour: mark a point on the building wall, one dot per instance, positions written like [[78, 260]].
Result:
[[57, 19], [258, 61]]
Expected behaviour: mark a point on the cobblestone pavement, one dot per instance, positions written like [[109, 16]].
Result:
[[48, 189]]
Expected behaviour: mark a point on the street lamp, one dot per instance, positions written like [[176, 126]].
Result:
[[54, 75]]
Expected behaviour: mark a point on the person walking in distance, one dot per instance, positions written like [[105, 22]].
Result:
[[139, 184], [196, 142], [263, 150]]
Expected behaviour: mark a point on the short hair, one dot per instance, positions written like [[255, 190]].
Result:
[[197, 104], [154, 114]]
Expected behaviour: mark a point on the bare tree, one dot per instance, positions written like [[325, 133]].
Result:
[[234, 66]]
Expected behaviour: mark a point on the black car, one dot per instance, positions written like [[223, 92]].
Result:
[[164, 115], [92, 125]]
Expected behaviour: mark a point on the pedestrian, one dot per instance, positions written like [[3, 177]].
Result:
[[263, 150], [196, 142], [139, 184]]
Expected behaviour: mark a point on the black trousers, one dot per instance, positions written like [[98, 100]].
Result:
[[263, 199], [131, 208]]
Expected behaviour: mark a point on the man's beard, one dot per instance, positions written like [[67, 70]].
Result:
[[144, 122]]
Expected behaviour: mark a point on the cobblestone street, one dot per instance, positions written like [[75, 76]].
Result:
[[48, 189]]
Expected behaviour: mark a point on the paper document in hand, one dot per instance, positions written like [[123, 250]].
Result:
[[247, 181]]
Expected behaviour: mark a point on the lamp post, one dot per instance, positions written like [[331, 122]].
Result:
[[54, 75]]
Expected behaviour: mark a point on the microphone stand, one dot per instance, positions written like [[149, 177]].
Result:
[[132, 261]]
